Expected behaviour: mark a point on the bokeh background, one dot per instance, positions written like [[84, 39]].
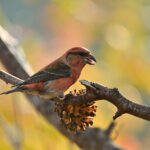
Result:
[[118, 34]]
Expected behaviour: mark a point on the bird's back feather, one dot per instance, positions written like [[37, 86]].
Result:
[[60, 70]]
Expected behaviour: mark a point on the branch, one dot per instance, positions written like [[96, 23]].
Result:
[[14, 62], [12, 132], [96, 92], [9, 78]]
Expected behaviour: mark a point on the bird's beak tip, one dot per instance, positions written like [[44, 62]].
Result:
[[91, 60]]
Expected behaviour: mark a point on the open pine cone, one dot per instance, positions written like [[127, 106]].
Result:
[[76, 116]]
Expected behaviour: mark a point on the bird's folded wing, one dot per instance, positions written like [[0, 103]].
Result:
[[60, 70]]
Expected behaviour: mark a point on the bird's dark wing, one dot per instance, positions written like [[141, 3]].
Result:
[[60, 70]]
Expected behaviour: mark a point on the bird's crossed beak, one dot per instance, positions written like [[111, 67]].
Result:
[[90, 60]]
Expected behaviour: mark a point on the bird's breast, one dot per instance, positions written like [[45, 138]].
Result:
[[62, 84]]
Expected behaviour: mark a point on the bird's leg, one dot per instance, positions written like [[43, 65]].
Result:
[[61, 96]]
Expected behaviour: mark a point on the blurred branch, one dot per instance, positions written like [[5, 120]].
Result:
[[12, 132], [110, 128], [9, 78], [91, 139]]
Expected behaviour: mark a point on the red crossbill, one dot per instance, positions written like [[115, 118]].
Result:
[[58, 76]]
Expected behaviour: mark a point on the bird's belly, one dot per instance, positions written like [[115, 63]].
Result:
[[52, 88], [46, 94], [61, 85], [56, 88], [49, 95]]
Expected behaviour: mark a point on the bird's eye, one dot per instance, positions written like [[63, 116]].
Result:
[[82, 54]]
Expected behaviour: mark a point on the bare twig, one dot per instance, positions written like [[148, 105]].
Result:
[[92, 139]]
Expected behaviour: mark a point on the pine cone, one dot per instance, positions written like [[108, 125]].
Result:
[[76, 116]]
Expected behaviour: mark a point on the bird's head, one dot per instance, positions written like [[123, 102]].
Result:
[[79, 57]]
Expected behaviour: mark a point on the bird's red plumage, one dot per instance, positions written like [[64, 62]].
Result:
[[58, 76], [34, 86]]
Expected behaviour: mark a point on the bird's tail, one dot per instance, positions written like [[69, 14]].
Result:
[[10, 91]]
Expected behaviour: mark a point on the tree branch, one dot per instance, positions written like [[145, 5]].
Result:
[[96, 92], [9, 78], [12, 132], [14, 62]]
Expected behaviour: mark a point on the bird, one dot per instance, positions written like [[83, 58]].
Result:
[[54, 79]]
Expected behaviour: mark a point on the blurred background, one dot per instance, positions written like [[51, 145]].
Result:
[[118, 34]]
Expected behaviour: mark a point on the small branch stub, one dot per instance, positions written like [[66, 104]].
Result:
[[117, 114]]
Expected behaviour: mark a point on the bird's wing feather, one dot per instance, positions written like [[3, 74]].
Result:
[[60, 70]]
